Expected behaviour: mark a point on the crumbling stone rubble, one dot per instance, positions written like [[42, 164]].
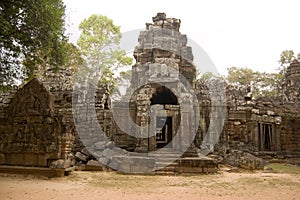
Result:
[[38, 126]]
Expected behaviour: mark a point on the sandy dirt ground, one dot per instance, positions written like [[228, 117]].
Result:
[[109, 185]]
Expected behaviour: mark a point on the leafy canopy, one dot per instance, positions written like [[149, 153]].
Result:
[[287, 57], [261, 83], [31, 34], [99, 44]]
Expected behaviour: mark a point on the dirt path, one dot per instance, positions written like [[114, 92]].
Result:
[[104, 185]]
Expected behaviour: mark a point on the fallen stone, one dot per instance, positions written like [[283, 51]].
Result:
[[107, 153], [244, 160], [99, 145], [94, 165], [81, 156], [109, 145], [116, 162], [61, 164], [137, 165], [104, 160], [86, 152]]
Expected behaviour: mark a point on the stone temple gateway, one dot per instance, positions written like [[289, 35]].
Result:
[[161, 82], [160, 125]]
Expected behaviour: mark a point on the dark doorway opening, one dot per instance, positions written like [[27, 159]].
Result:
[[265, 135], [163, 132], [163, 96]]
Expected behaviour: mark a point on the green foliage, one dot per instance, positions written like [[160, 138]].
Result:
[[126, 75], [241, 76], [284, 168], [286, 58], [73, 61], [261, 83], [98, 43], [31, 34], [206, 76]]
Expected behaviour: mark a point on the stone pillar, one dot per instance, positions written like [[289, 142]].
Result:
[[143, 120], [255, 137], [187, 124]]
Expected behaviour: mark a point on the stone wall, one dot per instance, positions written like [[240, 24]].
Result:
[[276, 117], [267, 124], [239, 125], [45, 133], [32, 134], [290, 135], [39, 125], [5, 100]]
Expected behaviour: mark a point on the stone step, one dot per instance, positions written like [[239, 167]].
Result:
[[166, 162], [164, 154], [166, 159], [166, 165], [160, 164], [36, 171], [165, 173], [166, 169], [168, 154]]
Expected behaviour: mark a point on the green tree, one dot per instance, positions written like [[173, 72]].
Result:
[[261, 83], [286, 58], [31, 33], [99, 44], [241, 76], [73, 61], [267, 84], [206, 76]]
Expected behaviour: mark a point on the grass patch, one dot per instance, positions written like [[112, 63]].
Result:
[[142, 182], [114, 180], [250, 181], [257, 183], [285, 168]]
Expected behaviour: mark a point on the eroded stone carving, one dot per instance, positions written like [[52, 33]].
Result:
[[37, 125], [33, 135]]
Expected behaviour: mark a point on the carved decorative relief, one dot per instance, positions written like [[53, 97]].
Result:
[[29, 114]]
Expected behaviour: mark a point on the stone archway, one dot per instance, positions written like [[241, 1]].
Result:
[[163, 96], [165, 113]]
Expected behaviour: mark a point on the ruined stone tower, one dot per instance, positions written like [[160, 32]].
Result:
[[161, 103], [162, 77], [292, 81], [163, 44]]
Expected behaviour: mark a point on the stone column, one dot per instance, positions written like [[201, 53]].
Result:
[[143, 120], [186, 132]]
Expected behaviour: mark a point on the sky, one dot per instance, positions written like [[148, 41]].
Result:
[[248, 33]]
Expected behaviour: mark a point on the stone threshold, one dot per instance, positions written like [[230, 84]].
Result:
[[36, 171]]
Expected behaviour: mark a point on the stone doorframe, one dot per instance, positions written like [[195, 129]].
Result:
[[158, 110]]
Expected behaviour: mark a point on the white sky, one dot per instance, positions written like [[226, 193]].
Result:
[[248, 33]]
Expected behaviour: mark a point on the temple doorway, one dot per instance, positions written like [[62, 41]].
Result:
[[165, 112], [266, 137], [163, 132]]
